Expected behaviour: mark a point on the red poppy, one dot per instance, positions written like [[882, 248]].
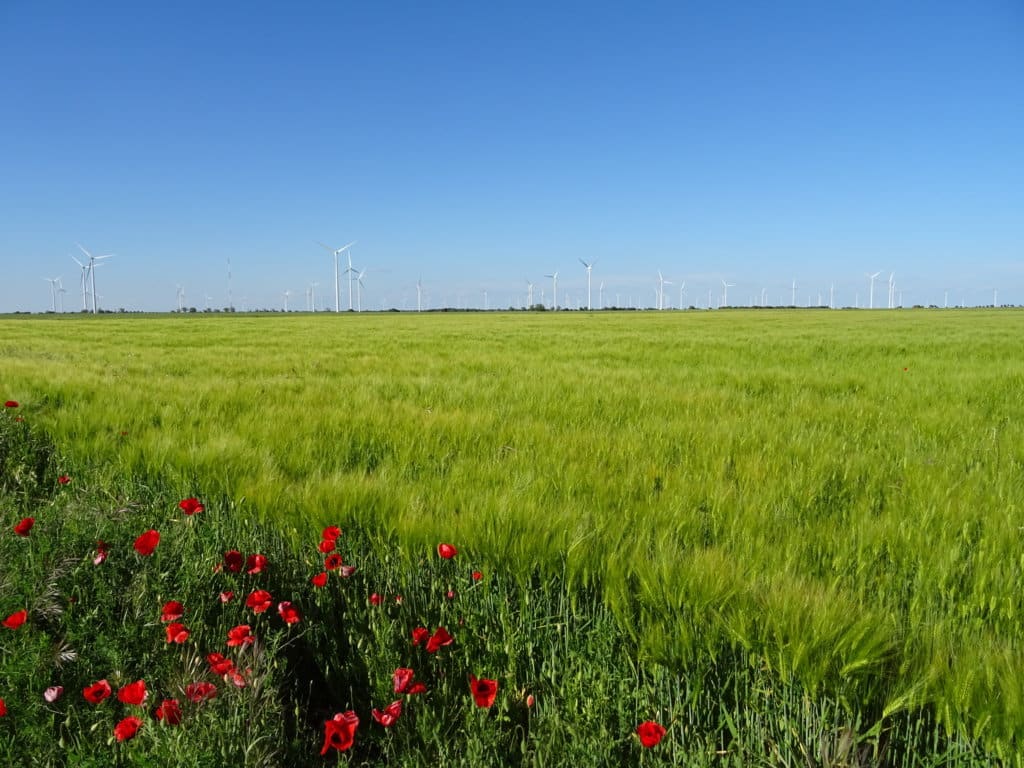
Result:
[[233, 561], [477, 575], [438, 639], [259, 600], [197, 693], [450, 594], [346, 571], [236, 679], [340, 731], [420, 635], [63, 479], [219, 664], [255, 564], [177, 633], [530, 701], [101, 553], [240, 635], [331, 532], [133, 693], [3, 708], [398, 599], [11, 404], [23, 528], [227, 597], [169, 711], [376, 599], [417, 688], [332, 562], [447, 551], [96, 692], [325, 546], [390, 714], [650, 733], [320, 580], [127, 728], [288, 612], [190, 505], [402, 679], [147, 542], [483, 691], [16, 619], [172, 611]]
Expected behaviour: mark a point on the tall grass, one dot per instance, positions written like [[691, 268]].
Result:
[[837, 496]]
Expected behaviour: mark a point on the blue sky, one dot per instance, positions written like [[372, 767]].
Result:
[[476, 146]]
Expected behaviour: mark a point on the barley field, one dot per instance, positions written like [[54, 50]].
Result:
[[833, 499]]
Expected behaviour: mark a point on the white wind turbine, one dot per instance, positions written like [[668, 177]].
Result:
[[554, 290], [589, 267], [792, 298], [682, 292], [871, 293], [359, 290], [725, 292], [312, 295], [286, 294], [54, 282], [335, 252], [892, 290], [662, 282], [60, 293], [84, 281], [419, 295], [181, 299], [529, 294], [92, 272], [600, 295]]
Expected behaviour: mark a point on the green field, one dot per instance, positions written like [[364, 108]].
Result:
[[834, 498]]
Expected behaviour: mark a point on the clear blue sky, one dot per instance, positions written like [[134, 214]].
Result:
[[480, 145]]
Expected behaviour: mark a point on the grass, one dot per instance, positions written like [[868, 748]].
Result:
[[829, 499]]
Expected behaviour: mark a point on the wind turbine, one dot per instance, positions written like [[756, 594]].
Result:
[[832, 296], [792, 300], [335, 252], [589, 267], [662, 282], [554, 290], [682, 292], [725, 292], [359, 291], [181, 299], [600, 295], [419, 295], [871, 294], [529, 295], [286, 294], [312, 295], [84, 280], [92, 272], [54, 282], [60, 292], [892, 290]]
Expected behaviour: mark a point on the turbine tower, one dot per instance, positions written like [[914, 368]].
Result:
[[335, 252], [589, 267], [725, 292], [529, 295], [662, 282], [54, 282], [92, 272], [286, 294], [554, 290], [871, 293]]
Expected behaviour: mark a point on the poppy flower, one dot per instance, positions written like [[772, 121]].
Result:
[[147, 542], [169, 711], [190, 505], [325, 546], [450, 594], [477, 575], [177, 633], [288, 613], [197, 693], [237, 679], [227, 597], [447, 551], [23, 528], [3, 708], [438, 639], [530, 701], [416, 688], [101, 553], [340, 731], [376, 599], [219, 664], [650, 733], [402, 679], [63, 479], [233, 561], [390, 714], [398, 599], [16, 619], [133, 693], [332, 562], [127, 728], [259, 600], [420, 635], [96, 692], [172, 611], [320, 580], [483, 691], [11, 404], [255, 564], [330, 533], [53, 693], [240, 635]]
